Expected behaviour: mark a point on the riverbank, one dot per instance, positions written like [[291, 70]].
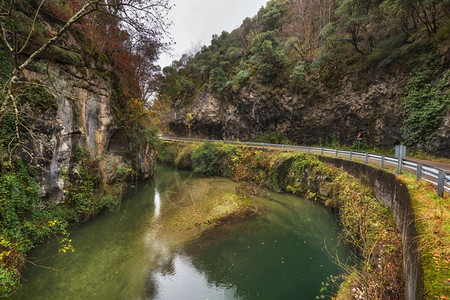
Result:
[[368, 227]]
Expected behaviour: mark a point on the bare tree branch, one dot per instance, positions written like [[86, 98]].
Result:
[[8, 11], [44, 267], [4, 38], [32, 27]]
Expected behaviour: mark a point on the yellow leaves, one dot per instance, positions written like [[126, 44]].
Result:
[[189, 119], [56, 227], [4, 243], [54, 223], [7, 248], [66, 245]]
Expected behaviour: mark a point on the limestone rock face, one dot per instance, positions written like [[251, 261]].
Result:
[[81, 121], [309, 121], [329, 114], [441, 142]]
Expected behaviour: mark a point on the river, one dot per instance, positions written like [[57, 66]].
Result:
[[279, 253]]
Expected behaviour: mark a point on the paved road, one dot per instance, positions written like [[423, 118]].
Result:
[[436, 164]]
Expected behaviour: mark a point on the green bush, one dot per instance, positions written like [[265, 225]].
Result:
[[279, 174], [23, 223], [224, 154], [122, 172], [218, 80], [90, 195], [298, 77], [275, 137], [241, 78], [78, 153], [10, 280], [19, 198], [424, 106], [166, 153], [183, 159], [205, 160]]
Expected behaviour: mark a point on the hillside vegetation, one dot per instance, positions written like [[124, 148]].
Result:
[[314, 49]]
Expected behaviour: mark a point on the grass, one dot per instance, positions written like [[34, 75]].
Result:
[[430, 157], [432, 214]]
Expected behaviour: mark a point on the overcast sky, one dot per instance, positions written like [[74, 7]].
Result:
[[195, 21]]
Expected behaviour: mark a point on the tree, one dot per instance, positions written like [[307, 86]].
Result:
[[269, 17], [269, 61]]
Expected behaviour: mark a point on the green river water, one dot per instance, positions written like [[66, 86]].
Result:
[[277, 254]]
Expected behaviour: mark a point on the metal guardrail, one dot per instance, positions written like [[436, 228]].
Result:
[[438, 177]]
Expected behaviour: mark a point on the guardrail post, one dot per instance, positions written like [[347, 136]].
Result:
[[351, 155], [399, 165], [419, 172], [309, 149], [400, 159], [441, 182], [382, 161], [321, 151], [337, 152], [367, 158]]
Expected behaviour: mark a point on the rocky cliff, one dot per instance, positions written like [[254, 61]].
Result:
[[327, 115], [81, 122]]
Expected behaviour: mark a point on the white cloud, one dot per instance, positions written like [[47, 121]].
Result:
[[195, 21]]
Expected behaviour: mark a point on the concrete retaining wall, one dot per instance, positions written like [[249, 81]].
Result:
[[394, 194]]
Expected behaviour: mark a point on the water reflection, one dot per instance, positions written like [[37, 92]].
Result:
[[157, 204], [179, 279], [278, 254]]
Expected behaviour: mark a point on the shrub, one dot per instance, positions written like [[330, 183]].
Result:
[[166, 154], [183, 159], [241, 78], [23, 224], [19, 196], [78, 153], [424, 106], [298, 77], [275, 137], [218, 80], [225, 154], [205, 160], [90, 195], [122, 172]]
